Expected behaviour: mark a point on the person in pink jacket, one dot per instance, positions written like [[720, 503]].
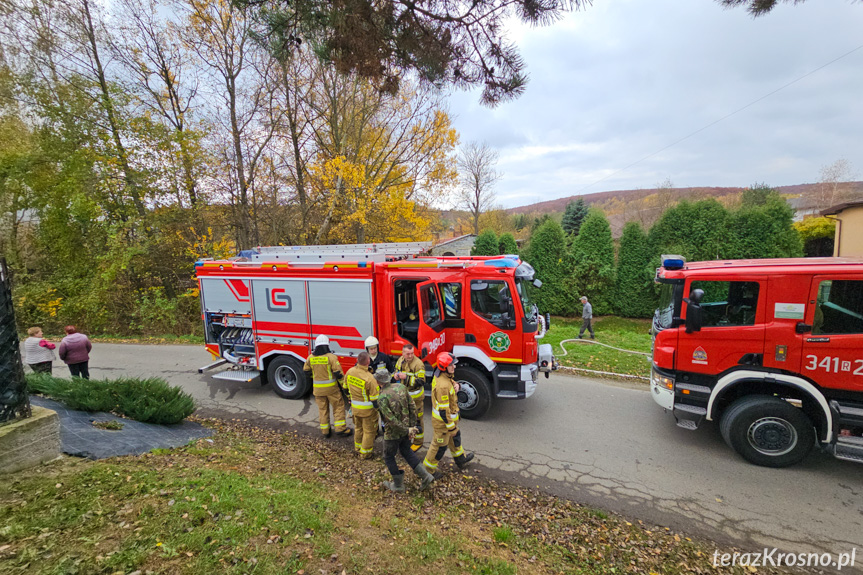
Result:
[[38, 351], [75, 351]]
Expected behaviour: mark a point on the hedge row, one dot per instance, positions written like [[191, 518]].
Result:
[[150, 400]]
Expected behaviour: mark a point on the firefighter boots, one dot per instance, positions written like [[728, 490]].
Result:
[[346, 432], [397, 484], [463, 459], [422, 473]]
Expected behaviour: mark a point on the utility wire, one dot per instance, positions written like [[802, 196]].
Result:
[[750, 104]]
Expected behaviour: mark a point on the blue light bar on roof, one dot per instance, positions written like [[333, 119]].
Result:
[[673, 262], [502, 263]]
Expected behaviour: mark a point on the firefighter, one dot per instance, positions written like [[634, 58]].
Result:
[[412, 372], [445, 417], [378, 361], [398, 413], [326, 373], [364, 391]]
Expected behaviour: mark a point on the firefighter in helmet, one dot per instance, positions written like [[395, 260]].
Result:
[[326, 373], [411, 371], [446, 433], [378, 361], [364, 392]]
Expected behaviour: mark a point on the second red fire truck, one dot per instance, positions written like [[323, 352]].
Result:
[[263, 312], [770, 349]]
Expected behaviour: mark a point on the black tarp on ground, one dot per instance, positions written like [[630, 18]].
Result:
[[79, 437]]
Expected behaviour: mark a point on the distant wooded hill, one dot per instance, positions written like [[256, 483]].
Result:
[[804, 191], [647, 205]]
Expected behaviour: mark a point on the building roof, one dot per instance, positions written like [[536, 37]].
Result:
[[833, 210], [451, 240]]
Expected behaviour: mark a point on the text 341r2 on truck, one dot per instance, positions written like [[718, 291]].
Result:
[[262, 313], [771, 349]]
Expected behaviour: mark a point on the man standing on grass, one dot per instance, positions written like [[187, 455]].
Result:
[[399, 415], [364, 391], [586, 318]]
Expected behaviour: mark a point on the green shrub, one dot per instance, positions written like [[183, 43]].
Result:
[[593, 254], [507, 244], [486, 244], [635, 293], [150, 400]]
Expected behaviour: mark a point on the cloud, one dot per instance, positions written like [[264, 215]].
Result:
[[622, 80]]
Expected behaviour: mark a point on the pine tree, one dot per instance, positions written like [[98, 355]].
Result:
[[593, 256], [486, 244], [635, 296], [574, 216], [547, 253], [507, 244]]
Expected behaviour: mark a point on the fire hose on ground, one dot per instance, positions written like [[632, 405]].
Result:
[[594, 342]]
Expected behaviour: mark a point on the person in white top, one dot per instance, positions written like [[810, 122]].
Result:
[[38, 351]]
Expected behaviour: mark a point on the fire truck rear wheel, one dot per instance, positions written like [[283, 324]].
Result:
[[287, 377], [474, 397], [767, 431]]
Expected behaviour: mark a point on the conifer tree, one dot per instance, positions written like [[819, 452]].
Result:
[[635, 296], [574, 216], [507, 244], [486, 244], [593, 256]]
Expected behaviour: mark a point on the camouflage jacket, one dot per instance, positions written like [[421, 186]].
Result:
[[397, 410]]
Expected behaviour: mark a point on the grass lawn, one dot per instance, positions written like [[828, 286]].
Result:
[[258, 501], [623, 333]]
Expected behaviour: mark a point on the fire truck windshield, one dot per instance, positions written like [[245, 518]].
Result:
[[664, 316], [525, 292]]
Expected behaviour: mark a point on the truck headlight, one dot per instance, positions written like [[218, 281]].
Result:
[[662, 381]]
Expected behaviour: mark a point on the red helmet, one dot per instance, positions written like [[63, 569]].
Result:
[[445, 359]]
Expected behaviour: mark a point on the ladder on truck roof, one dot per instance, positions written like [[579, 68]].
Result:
[[348, 252]]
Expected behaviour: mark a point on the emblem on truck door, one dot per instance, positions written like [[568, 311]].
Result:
[[499, 341], [278, 300], [699, 356]]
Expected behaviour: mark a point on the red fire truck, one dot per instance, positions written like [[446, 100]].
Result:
[[262, 313], [771, 349]]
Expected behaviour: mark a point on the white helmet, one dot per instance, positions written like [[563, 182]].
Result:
[[322, 340], [371, 340]]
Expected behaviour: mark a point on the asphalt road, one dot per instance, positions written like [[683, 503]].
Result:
[[601, 444]]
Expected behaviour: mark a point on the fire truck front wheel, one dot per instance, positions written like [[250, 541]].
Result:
[[767, 431], [474, 395], [287, 378]]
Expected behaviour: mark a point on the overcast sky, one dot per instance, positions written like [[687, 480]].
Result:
[[625, 78]]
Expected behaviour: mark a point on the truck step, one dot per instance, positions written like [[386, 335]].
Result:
[[244, 375], [849, 449], [689, 416]]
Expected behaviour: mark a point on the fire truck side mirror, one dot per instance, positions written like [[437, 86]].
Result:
[[694, 313], [424, 352]]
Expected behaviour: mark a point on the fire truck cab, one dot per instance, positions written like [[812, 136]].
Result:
[[771, 349], [263, 312]]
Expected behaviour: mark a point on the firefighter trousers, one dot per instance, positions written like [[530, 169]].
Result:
[[365, 431], [443, 438], [419, 402], [332, 398]]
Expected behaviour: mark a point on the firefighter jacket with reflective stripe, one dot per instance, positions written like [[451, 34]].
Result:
[[444, 399], [416, 372], [363, 389], [325, 370]]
